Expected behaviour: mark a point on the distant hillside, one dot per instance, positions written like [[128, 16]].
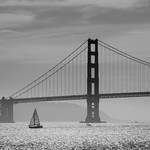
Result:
[[61, 111]]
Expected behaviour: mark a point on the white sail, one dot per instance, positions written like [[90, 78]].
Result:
[[35, 119]]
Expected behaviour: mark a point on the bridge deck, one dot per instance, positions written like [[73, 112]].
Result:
[[79, 97]]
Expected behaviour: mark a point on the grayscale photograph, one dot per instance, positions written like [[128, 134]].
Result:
[[74, 75]]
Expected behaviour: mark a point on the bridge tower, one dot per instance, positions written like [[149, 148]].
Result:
[[6, 111], [92, 82]]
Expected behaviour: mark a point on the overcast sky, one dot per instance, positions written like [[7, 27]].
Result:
[[36, 34]]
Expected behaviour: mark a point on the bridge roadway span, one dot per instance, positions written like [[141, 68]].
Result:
[[79, 97]]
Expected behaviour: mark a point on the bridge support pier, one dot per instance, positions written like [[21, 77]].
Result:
[[6, 111], [92, 83]]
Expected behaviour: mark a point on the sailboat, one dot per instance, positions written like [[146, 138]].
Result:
[[35, 122]]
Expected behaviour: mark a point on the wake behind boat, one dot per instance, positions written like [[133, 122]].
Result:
[[35, 122]]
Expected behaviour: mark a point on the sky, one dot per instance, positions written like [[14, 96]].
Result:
[[36, 34]]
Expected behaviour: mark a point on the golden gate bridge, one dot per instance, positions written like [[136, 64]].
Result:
[[93, 71]]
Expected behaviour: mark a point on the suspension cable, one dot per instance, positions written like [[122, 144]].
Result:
[[52, 73], [113, 49], [49, 69]]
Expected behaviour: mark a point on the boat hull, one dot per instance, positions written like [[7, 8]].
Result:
[[36, 127]]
